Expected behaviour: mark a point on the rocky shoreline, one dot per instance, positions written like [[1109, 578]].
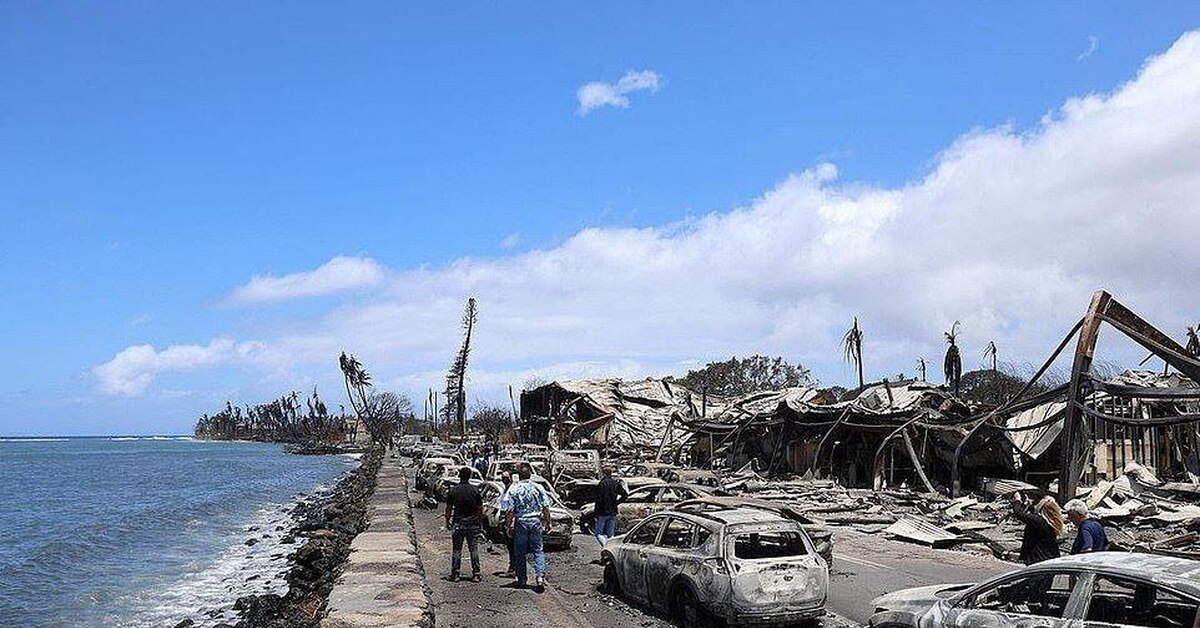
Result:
[[323, 528]]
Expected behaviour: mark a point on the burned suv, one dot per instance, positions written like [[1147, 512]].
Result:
[[741, 565]]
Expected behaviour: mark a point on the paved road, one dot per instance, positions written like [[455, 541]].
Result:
[[865, 566], [571, 598]]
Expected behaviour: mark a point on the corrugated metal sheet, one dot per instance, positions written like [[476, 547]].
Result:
[[922, 532]]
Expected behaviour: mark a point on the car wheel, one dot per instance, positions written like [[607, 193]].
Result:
[[689, 612], [612, 585]]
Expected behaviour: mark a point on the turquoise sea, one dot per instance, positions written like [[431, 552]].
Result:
[[144, 531]]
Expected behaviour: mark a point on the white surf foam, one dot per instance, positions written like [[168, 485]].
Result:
[[214, 585]]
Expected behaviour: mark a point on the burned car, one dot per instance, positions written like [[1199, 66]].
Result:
[[643, 502], [658, 470], [562, 520], [574, 463], [440, 485], [821, 537], [1086, 590], [501, 467], [432, 467], [699, 477], [742, 566], [579, 494]]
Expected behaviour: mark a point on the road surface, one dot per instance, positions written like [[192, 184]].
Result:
[[866, 566]]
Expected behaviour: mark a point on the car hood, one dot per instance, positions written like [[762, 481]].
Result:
[[918, 599]]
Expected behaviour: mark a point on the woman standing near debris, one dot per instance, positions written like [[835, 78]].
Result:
[[1043, 526]]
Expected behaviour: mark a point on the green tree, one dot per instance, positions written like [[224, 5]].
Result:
[[741, 377]]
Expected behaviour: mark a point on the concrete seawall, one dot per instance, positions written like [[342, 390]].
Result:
[[383, 583]]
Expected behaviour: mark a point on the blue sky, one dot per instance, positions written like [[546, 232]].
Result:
[[157, 156]]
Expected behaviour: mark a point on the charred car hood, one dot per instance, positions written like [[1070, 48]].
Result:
[[919, 599]]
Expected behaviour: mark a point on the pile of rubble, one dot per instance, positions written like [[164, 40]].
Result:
[[1140, 512]]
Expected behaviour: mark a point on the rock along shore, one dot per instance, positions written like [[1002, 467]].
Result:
[[323, 528]]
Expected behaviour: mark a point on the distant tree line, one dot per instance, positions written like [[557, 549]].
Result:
[[285, 420]]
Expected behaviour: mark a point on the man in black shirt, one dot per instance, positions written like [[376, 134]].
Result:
[[464, 516], [607, 494]]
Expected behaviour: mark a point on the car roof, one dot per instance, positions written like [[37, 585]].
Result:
[[740, 516], [730, 517], [1168, 570]]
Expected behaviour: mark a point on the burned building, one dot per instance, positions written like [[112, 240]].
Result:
[[633, 418]]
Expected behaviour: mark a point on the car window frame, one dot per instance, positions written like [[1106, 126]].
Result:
[[662, 532], [1076, 603], [646, 522], [1087, 602], [652, 491]]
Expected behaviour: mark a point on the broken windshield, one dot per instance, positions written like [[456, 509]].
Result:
[[766, 545]]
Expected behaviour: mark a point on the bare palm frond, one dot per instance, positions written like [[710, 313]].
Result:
[[952, 363]]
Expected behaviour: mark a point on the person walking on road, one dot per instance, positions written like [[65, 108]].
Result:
[[505, 508], [1043, 526], [528, 519], [1089, 535], [464, 517], [608, 494]]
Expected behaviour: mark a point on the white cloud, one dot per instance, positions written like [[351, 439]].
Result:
[[132, 370], [339, 274], [600, 94], [1009, 232], [1092, 45], [510, 241]]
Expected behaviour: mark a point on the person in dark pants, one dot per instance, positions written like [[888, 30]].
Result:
[[464, 516], [1090, 536], [505, 507], [608, 494], [1043, 525]]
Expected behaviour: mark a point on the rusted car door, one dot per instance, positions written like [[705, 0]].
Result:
[[669, 555], [1043, 599], [632, 561]]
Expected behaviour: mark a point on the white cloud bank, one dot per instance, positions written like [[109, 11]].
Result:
[[600, 94], [131, 371], [339, 274], [1009, 232]]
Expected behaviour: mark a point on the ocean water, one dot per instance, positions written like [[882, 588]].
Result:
[[144, 531]]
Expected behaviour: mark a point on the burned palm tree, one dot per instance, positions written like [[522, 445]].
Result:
[[989, 352], [456, 378], [1193, 343], [952, 364], [852, 348], [357, 380]]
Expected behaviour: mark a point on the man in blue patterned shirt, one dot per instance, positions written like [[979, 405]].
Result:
[[528, 518]]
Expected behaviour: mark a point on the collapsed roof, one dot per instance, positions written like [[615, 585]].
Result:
[[611, 414]]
